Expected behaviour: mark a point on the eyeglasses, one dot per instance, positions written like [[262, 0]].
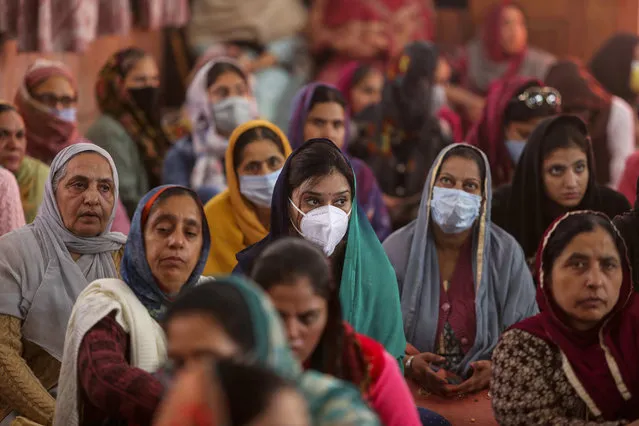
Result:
[[536, 97], [52, 101]]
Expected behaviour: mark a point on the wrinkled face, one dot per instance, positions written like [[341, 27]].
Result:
[[565, 173], [55, 92], [144, 73], [287, 407], [173, 241], [586, 278], [367, 92], [521, 130], [326, 120], [193, 336], [332, 189], [460, 173], [13, 141], [514, 34], [86, 195], [260, 157], [228, 84], [303, 313]]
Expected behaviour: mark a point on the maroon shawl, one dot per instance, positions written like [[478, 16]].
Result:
[[46, 134], [488, 133], [609, 385]]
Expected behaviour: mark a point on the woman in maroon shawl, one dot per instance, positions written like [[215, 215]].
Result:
[[575, 362], [501, 51], [506, 122], [47, 101], [367, 30]]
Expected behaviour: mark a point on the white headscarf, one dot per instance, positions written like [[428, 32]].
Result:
[[45, 316]]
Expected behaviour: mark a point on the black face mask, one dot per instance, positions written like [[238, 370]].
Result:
[[146, 99]]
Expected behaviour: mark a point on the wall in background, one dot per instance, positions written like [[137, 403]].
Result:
[[563, 27], [85, 67]]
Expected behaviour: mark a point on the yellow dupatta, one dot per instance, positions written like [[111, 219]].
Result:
[[233, 222]]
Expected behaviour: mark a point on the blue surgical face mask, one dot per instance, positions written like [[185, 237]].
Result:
[[454, 210], [515, 149], [67, 114], [259, 189]]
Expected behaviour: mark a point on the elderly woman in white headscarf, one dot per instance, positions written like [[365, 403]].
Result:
[[44, 267]]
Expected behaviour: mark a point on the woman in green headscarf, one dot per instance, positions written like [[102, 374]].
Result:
[[232, 318], [314, 198]]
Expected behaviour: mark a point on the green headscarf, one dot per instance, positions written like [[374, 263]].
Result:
[[368, 289], [331, 401]]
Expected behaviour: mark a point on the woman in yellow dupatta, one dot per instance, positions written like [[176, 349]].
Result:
[[241, 215]]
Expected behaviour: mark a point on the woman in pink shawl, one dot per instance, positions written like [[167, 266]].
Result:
[[11, 213], [367, 30]]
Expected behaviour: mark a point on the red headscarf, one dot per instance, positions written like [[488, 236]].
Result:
[[47, 134], [488, 133], [601, 364], [491, 39], [345, 82]]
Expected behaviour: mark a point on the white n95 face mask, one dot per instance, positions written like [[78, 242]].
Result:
[[325, 226]]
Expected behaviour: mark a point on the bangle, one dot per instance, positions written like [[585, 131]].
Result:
[[409, 363]]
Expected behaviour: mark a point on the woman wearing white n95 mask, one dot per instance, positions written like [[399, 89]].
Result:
[[314, 198], [462, 280], [241, 215]]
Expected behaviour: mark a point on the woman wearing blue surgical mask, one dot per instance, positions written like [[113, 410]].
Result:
[[314, 198], [219, 99], [241, 214], [462, 280]]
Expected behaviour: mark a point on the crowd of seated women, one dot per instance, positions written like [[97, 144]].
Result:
[[354, 261]]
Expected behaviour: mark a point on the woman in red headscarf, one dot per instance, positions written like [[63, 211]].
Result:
[[366, 30], [575, 362], [500, 52], [507, 120]]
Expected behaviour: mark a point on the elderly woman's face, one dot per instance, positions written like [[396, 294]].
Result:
[[173, 239], [586, 278], [86, 195]]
